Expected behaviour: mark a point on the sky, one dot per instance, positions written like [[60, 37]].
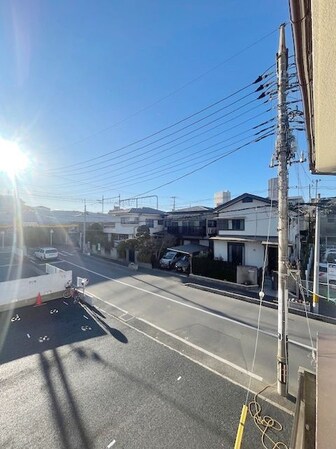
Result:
[[98, 95]]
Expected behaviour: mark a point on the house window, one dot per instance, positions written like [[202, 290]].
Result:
[[236, 253], [128, 220], [150, 222], [160, 222], [247, 199], [236, 224]]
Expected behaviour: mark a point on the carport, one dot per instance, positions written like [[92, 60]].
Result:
[[190, 249]]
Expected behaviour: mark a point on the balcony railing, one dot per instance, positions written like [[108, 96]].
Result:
[[197, 231]]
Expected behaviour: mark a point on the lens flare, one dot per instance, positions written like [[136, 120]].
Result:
[[12, 160]]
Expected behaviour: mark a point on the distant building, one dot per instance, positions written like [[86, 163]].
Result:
[[222, 197]]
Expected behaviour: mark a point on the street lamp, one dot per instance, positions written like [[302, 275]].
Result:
[[2, 239], [51, 237]]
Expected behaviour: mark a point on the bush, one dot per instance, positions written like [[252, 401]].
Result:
[[216, 269]]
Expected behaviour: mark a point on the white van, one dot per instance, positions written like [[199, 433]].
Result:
[[46, 253]]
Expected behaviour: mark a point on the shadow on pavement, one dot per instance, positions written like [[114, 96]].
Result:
[[65, 413], [31, 330]]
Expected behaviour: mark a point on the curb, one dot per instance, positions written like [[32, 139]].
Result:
[[270, 305]]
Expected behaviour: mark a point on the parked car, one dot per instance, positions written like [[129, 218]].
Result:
[[46, 253], [323, 274], [183, 264], [169, 260]]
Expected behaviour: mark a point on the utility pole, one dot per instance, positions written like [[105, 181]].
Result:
[[84, 229], [316, 257], [102, 204], [282, 154]]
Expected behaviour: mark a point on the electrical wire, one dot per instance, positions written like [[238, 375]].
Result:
[[102, 130], [117, 150]]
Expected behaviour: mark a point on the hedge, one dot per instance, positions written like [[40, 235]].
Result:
[[216, 269]]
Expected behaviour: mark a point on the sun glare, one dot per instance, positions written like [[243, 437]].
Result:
[[12, 159]]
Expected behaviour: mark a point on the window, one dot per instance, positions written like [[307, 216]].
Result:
[[160, 222], [129, 220], [236, 224], [150, 222]]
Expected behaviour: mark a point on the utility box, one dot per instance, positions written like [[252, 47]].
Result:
[[247, 275]]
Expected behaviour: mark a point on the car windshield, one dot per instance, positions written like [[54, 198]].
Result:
[[169, 255]]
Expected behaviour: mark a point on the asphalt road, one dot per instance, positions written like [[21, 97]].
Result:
[[221, 326], [74, 377]]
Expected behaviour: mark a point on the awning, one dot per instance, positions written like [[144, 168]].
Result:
[[190, 248], [237, 239]]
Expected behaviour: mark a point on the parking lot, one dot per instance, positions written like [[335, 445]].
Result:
[[11, 268]]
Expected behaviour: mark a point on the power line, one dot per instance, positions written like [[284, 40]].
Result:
[[165, 128], [174, 91], [160, 158]]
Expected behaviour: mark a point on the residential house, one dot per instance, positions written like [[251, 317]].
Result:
[[191, 225], [123, 223], [246, 226]]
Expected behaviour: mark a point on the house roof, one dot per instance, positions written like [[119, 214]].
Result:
[[137, 210], [192, 209], [240, 198], [190, 248]]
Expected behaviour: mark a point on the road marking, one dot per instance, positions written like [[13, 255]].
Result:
[[192, 345], [223, 376], [65, 253], [179, 378], [231, 320], [111, 444], [10, 265]]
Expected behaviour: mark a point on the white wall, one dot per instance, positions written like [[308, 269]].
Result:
[[254, 254], [256, 219], [23, 289], [220, 249]]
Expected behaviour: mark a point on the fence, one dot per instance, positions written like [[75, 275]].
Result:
[[21, 292]]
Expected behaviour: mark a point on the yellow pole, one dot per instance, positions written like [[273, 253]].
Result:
[[241, 426]]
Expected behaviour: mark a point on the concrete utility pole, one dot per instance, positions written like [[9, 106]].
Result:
[[84, 228], [102, 200], [282, 154], [316, 258]]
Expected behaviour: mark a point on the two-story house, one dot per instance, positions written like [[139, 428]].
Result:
[[123, 223], [191, 225], [246, 225]]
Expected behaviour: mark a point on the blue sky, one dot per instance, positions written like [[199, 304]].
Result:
[[81, 79]]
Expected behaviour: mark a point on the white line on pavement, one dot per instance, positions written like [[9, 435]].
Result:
[[192, 345], [223, 376], [231, 320], [111, 444]]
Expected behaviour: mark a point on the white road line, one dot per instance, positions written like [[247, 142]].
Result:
[[231, 320], [10, 265], [234, 382], [192, 345], [111, 444]]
